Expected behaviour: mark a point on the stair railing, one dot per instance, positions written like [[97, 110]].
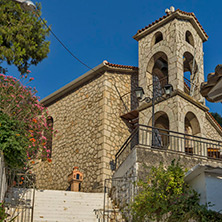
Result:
[[118, 194], [19, 198]]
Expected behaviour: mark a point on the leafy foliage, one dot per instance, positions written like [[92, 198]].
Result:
[[13, 140], [217, 117], [22, 36], [3, 215], [23, 123], [165, 196]]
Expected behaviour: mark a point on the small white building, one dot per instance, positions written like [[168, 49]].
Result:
[[207, 181]]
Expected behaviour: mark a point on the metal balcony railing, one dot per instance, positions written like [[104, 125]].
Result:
[[156, 138]]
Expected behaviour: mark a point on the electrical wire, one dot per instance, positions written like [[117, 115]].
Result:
[[63, 45]]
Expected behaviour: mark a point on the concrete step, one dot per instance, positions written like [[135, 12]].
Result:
[[66, 206], [59, 206], [66, 220], [62, 192], [65, 200]]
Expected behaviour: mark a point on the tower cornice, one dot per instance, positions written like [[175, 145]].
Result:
[[170, 16]]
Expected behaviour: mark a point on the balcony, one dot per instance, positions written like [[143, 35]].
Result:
[[155, 139]]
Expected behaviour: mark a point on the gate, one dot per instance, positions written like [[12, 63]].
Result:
[[19, 198]]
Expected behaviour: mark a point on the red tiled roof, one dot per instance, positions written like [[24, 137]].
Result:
[[168, 14], [121, 66]]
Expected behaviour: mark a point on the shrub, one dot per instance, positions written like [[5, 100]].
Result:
[[23, 122], [165, 196]]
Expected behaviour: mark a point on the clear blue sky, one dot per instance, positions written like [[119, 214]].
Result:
[[102, 30]]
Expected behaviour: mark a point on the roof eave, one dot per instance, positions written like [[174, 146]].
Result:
[[100, 69], [176, 14], [140, 35], [201, 168]]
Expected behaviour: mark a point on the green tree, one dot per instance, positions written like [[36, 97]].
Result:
[[165, 196], [217, 117], [22, 36]]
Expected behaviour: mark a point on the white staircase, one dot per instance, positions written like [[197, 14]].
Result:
[[66, 206]]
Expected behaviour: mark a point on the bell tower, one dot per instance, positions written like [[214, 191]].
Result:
[[171, 52]]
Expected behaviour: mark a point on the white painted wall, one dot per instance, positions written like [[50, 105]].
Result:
[[214, 190], [199, 184], [216, 92], [3, 181], [207, 181]]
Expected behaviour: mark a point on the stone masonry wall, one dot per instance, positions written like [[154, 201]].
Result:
[[210, 131], [90, 131], [78, 119], [115, 130], [153, 157]]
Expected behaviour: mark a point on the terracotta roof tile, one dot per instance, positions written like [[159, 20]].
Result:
[[120, 66], [168, 14]]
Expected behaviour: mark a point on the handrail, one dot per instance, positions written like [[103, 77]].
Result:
[[127, 141], [113, 189], [158, 138]]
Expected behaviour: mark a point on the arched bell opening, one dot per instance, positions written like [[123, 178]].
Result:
[[190, 69], [191, 128], [161, 131], [157, 73], [192, 122]]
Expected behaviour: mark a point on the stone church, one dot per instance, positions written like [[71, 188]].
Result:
[[100, 119]]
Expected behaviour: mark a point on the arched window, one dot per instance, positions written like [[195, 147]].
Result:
[[157, 38], [49, 135], [189, 38]]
